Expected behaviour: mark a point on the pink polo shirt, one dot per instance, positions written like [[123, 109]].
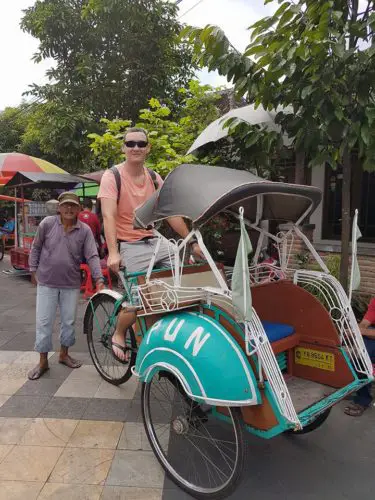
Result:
[[132, 196]]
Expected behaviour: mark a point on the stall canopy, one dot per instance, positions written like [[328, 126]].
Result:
[[198, 192], [52, 181]]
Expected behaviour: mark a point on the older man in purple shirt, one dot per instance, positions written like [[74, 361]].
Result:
[[62, 241]]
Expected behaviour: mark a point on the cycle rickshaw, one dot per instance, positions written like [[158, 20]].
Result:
[[209, 375]]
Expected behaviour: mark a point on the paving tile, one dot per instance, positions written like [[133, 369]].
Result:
[[17, 370], [94, 434], [3, 399], [19, 490], [49, 432], [115, 410], [82, 466], [4, 450], [75, 388], [177, 494], [40, 387], [122, 493], [24, 341], [133, 437], [72, 408], [110, 391], [136, 469], [8, 387], [86, 372], [135, 412], [12, 430], [59, 491], [28, 463], [30, 357], [24, 406]]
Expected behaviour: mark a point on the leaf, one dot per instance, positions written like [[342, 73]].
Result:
[[306, 91], [365, 134], [285, 18]]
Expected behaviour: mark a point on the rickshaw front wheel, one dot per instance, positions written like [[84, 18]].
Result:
[[202, 451], [320, 419], [99, 326]]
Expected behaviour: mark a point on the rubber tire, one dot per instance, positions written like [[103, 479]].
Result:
[[236, 478], [2, 250], [88, 328], [315, 424]]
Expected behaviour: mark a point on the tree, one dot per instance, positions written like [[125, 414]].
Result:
[[13, 123], [61, 134], [318, 58], [111, 56], [170, 138]]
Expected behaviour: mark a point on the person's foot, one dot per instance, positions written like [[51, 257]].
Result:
[[355, 410], [37, 372], [118, 348], [69, 361]]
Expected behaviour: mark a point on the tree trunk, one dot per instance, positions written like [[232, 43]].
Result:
[[300, 177], [345, 220]]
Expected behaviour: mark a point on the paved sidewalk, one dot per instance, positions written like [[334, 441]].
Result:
[[71, 435]]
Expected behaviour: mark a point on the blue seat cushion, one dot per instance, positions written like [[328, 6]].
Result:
[[277, 331]]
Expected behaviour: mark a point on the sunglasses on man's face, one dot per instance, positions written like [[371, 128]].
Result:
[[133, 144]]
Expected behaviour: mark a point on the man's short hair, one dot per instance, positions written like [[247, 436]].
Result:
[[87, 203], [136, 129]]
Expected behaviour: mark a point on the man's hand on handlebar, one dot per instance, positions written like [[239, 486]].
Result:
[[114, 262], [197, 252]]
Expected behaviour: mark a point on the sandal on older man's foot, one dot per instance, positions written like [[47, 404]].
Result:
[[37, 372], [355, 410]]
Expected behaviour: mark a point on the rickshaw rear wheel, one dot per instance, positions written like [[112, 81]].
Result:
[[320, 419], [201, 453], [99, 326]]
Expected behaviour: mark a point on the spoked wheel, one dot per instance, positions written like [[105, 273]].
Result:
[[201, 453], [2, 249], [99, 325]]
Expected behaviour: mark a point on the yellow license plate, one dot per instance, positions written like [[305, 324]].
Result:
[[317, 359]]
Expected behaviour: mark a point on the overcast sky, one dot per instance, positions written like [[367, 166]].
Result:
[[17, 48]]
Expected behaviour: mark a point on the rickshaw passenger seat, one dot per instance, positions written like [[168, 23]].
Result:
[[277, 331]]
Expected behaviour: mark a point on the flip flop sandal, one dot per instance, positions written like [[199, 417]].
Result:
[[355, 410], [71, 363], [37, 372], [123, 349]]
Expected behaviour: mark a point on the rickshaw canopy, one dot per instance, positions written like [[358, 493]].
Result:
[[199, 192]]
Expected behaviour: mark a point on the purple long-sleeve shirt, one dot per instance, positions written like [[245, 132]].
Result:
[[56, 255]]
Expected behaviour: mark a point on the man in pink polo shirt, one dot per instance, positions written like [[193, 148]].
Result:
[[136, 245]]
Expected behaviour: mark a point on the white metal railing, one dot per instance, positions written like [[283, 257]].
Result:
[[257, 343], [330, 293]]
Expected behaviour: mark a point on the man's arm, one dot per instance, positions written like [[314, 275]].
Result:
[[109, 211], [178, 224], [36, 250], [366, 330]]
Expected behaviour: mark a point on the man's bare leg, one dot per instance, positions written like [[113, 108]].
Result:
[[126, 319]]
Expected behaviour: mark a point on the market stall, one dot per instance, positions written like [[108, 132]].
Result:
[[29, 214]]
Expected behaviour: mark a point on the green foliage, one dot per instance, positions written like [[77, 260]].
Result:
[[316, 58], [60, 133], [110, 56], [170, 138], [13, 123]]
